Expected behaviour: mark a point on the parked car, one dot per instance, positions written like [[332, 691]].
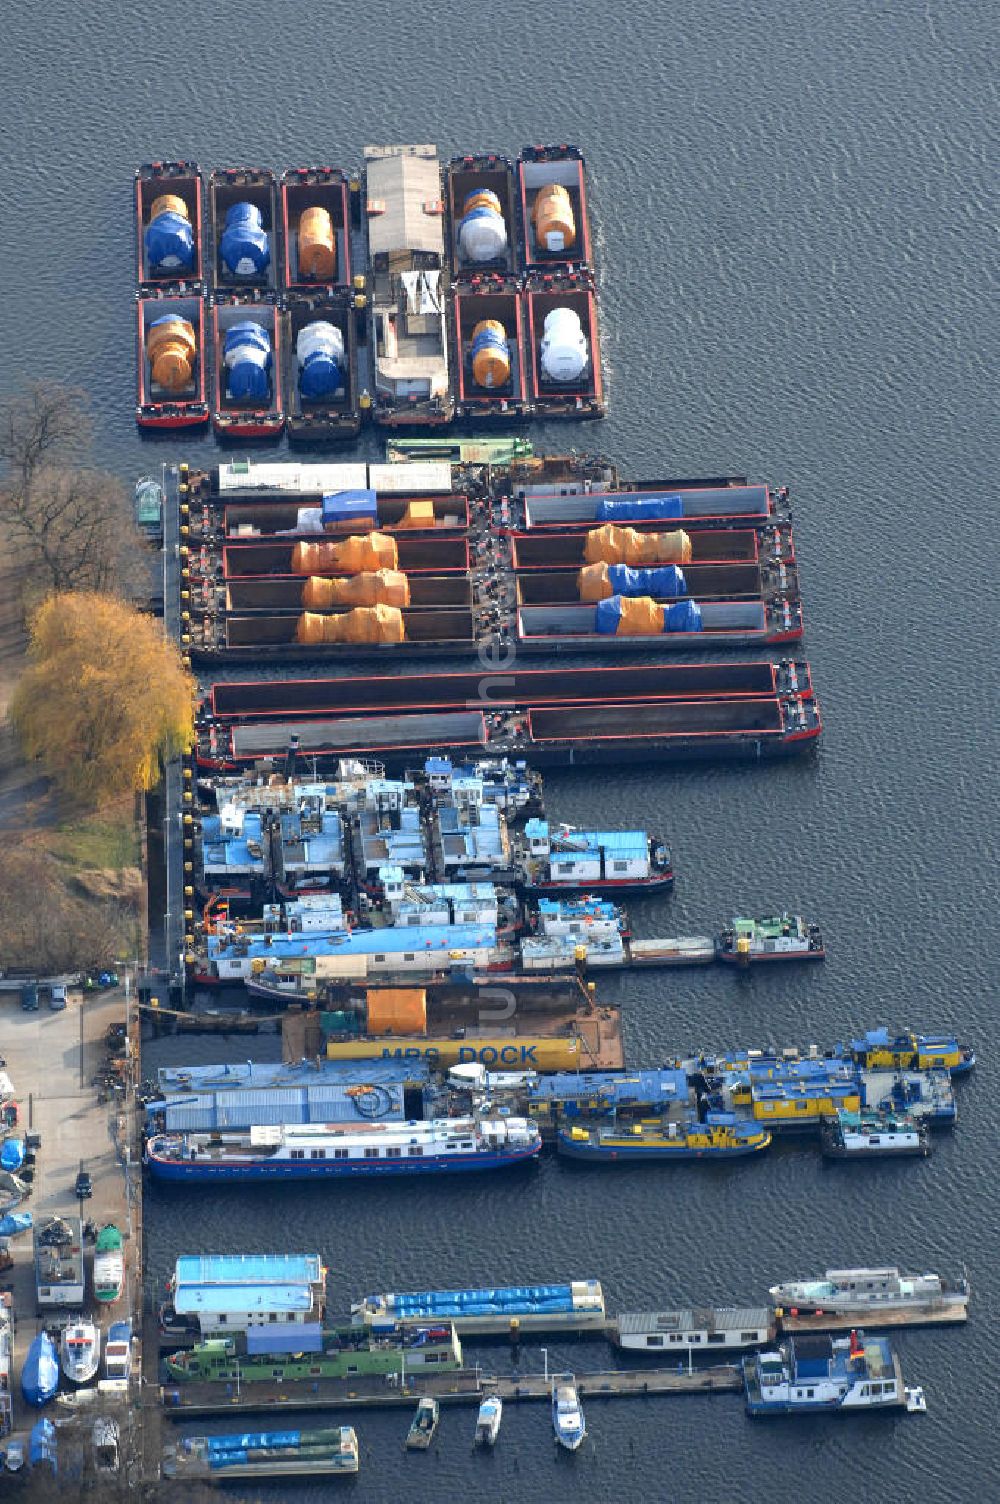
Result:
[[84, 1187], [57, 997], [29, 997]]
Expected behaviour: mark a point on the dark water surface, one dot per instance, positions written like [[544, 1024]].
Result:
[[792, 213]]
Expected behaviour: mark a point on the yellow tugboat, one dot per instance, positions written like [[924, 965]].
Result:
[[720, 1136]]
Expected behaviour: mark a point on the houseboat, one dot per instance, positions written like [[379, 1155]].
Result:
[[559, 858], [564, 345], [492, 379], [865, 1295], [720, 1136], [311, 1152], [817, 1373], [408, 283], [780, 937], [878, 1050], [211, 1295], [481, 202], [168, 224], [555, 220], [874, 1135], [248, 401], [264, 1354], [319, 341], [315, 229], [696, 1330], [243, 228], [172, 361]]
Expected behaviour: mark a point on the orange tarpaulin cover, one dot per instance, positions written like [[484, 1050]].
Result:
[[354, 555], [386, 587], [624, 545]]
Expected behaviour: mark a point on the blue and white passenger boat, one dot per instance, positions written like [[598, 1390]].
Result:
[[567, 1416], [304, 1151]]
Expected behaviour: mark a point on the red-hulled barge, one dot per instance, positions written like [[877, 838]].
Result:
[[156, 406]]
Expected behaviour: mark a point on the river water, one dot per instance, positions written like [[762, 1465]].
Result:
[[792, 213]]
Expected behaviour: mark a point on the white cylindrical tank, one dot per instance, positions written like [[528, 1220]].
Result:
[[564, 352], [482, 234]]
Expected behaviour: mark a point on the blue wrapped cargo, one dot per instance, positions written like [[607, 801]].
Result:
[[639, 508], [350, 507], [664, 583], [285, 1337], [685, 616], [245, 246], [248, 359], [247, 1441], [42, 1444], [169, 241]]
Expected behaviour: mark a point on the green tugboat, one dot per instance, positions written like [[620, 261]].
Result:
[[346, 1353], [778, 937]]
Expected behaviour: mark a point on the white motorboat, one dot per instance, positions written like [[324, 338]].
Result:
[[567, 1416], [80, 1351], [488, 1422]]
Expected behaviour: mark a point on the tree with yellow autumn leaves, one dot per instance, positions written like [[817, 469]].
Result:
[[104, 697]]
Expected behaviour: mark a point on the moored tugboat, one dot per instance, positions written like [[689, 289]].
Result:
[[721, 1136], [780, 937]]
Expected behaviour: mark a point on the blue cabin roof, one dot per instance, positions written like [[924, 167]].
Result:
[[650, 1088]]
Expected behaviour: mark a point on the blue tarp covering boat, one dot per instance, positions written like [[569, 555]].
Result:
[[12, 1154], [42, 1443], [350, 507], [15, 1222], [40, 1374], [667, 581]]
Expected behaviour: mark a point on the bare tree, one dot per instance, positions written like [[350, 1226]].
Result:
[[48, 928], [72, 525]]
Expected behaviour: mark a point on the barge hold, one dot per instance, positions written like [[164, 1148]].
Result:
[[172, 359], [555, 220], [482, 215], [320, 350], [316, 229], [243, 226], [491, 378], [168, 223], [408, 284], [248, 389], [563, 341], [412, 515], [572, 505]]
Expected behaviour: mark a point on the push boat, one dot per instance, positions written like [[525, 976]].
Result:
[[865, 1295], [109, 1265], [172, 387], [322, 194], [330, 412], [720, 1136], [248, 392], [873, 1135], [408, 282], [40, 1374], [879, 1050], [311, 1152], [424, 1424], [780, 937], [562, 859], [246, 1455], [80, 1351], [169, 253], [815, 1372], [488, 1421], [568, 1423], [243, 226]]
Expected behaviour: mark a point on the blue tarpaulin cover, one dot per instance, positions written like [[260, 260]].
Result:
[[170, 243], [639, 508], [685, 616], [667, 581], [245, 247], [350, 506]]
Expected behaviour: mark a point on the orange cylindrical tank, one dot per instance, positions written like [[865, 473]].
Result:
[[490, 354], [397, 1010], [593, 582], [552, 216], [169, 203], [625, 545], [171, 348], [317, 244], [375, 624], [348, 556], [383, 587]]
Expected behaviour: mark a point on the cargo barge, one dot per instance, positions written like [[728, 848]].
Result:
[[248, 390], [245, 1456], [172, 359], [480, 197], [414, 516], [168, 223], [408, 284], [563, 340], [316, 229], [320, 350], [491, 376], [573, 505], [555, 219], [243, 226]]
